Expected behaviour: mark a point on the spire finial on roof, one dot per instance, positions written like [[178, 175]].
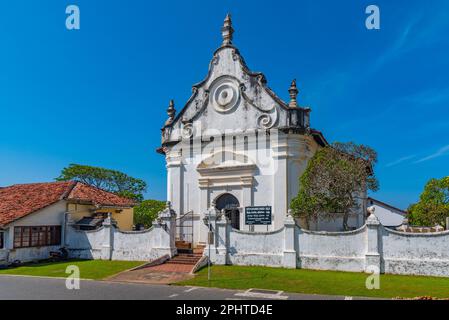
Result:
[[171, 112], [293, 94], [227, 31]]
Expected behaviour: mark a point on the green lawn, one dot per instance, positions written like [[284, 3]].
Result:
[[320, 282], [89, 269]]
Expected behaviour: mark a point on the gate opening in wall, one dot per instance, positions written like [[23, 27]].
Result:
[[231, 206], [184, 232]]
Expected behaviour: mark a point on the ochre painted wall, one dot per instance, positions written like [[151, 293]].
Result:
[[124, 217]]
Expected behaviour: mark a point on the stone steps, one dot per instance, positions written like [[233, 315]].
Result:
[[185, 258], [199, 249], [183, 245]]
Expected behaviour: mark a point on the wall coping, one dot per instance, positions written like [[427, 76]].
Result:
[[135, 232], [334, 233], [411, 234], [259, 233], [87, 231]]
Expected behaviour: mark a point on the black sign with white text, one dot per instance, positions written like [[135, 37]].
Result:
[[258, 216]]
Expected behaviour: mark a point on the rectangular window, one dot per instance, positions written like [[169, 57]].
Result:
[[25, 237], [2, 240]]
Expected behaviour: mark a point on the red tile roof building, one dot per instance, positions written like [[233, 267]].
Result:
[[18, 201]]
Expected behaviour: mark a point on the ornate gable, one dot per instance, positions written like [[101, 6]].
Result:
[[231, 97]]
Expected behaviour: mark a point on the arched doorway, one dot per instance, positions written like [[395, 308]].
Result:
[[231, 206]]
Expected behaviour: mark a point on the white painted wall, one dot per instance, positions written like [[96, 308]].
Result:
[[344, 251], [91, 244], [417, 253], [148, 245], [50, 216], [109, 243], [247, 248], [356, 251]]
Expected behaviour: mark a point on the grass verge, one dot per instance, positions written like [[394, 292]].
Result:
[[89, 269], [320, 282]]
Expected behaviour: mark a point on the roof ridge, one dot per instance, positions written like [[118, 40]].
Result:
[[388, 205], [100, 189], [35, 183], [95, 187], [69, 190]]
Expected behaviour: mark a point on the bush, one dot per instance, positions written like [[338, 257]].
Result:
[[147, 211]]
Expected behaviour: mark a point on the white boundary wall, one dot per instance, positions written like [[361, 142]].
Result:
[[417, 253], [109, 243], [358, 251], [344, 251], [247, 248], [291, 247]]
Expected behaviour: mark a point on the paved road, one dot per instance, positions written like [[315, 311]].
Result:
[[33, 288]]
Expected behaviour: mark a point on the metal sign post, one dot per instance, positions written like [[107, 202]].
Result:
[[209, 244]]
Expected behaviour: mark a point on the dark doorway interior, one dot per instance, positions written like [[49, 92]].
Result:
[[231, 206]]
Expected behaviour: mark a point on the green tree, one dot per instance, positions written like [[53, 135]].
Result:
[[106, 179], [433, 205], [147, 211], [333, 181]]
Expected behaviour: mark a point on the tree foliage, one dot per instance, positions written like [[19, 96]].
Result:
[[109, 180], [433, 205], [147, 212], [333, 181]]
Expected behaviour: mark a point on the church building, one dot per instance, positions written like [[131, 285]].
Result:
[[236, 146]]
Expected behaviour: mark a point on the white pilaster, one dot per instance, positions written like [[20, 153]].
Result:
[[175, 180], [280, 179]]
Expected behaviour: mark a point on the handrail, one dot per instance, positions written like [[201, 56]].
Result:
[[184, 215]]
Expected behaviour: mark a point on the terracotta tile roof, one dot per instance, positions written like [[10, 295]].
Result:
[[86, 193], [18, 201]]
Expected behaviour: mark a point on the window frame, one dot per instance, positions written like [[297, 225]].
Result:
[[37, 236], [2, 240]]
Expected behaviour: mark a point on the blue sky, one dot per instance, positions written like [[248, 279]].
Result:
[[99, 95]]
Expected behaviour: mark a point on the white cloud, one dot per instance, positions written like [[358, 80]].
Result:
[[400, 160], [441, 152]]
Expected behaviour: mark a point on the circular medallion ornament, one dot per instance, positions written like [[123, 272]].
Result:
[[225, 95], [187, 131]]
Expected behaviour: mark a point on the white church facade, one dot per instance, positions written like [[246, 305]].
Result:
[[236, 146]]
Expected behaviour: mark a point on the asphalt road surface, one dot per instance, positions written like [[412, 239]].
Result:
[[36, 288]]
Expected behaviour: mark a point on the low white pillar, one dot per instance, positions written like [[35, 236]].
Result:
[[289, 254], [372, 256], [223, 225], [108, 243], [167, 221]]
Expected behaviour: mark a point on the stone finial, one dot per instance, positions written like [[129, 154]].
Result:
[[108, 221], [168, 205], [171, 112], [289, 213], [223, 214], [372, 219], [227, 31], [293, 94]]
